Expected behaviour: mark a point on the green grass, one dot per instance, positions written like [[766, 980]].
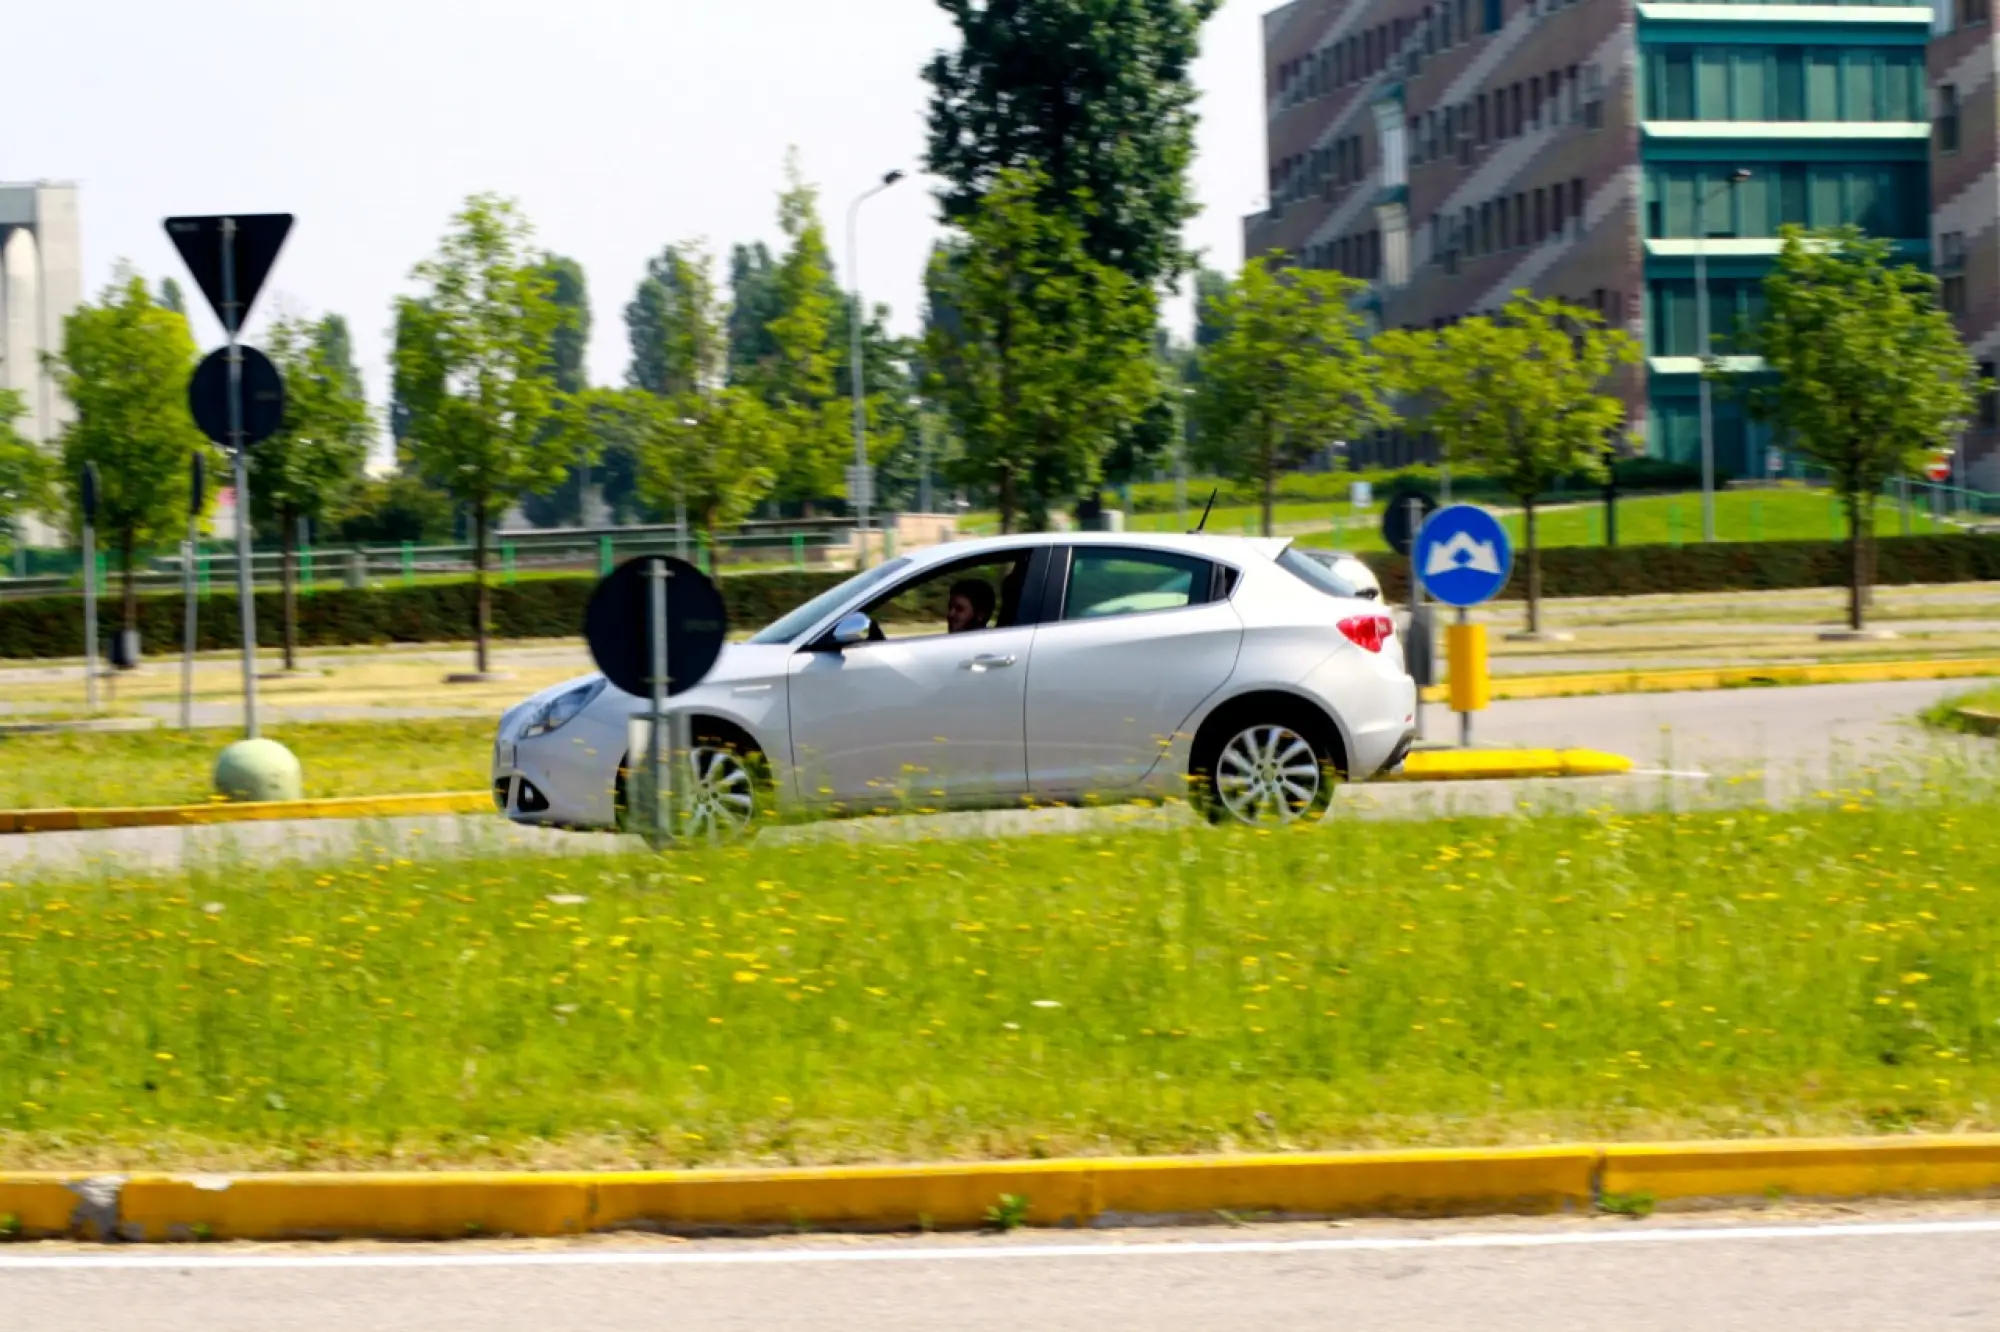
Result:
[[172, 767], [1830, 969], [1780, 515], [1947, 714]]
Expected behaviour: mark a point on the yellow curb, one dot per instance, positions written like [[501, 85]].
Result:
[[1476, 1181], [1981, 721], [1805, 1168], [158, 816], [1472, 765], [37, 1204], [1727, 677], [454, 1205]]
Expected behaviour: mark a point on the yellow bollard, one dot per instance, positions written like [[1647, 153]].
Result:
[[1465, 654]]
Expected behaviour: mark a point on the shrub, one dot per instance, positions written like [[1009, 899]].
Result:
[[435, 612]]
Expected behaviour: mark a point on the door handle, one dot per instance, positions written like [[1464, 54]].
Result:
[[980, 665]]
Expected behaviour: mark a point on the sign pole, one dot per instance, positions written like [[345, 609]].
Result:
[[90, 614], [1465, 717], [246, 601], [659, 818], [195, 498]]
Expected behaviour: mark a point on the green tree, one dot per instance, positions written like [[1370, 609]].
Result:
[[1096, 96], [1866, 374], [650, 319], [564, 504], [171, 297], [702, 445], [753, 307], [124, 366], [1290, 375], [797, 380], [1518, 397], [336, 345], [27, 471], [1038, 352], [472, 362], [319, 457], [394, 509]]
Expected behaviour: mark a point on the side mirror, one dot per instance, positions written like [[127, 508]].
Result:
[[852, 629]]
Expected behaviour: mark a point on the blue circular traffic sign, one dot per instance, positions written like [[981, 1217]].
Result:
[[1463, 555]]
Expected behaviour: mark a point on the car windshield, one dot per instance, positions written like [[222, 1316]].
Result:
[[1320, 574], [790, 625]]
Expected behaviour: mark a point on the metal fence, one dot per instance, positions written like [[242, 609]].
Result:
[[510, 556]]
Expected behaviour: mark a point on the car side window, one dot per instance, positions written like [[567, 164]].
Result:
[[961, 598], [1104, 582]]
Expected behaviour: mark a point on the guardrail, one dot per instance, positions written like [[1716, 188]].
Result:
[[510, 556]]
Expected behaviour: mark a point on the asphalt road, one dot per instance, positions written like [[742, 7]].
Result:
[[1868, 1276], [1693, 749]]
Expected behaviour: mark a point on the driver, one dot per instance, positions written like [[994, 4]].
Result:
[[970, 607]]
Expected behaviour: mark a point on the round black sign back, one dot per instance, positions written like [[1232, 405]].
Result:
[[616, 628], [263, 396], [1397, 529]]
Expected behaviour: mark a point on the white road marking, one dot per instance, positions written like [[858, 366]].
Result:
[[190, 1260]]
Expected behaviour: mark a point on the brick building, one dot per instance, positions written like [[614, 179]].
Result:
[[1604, 151]]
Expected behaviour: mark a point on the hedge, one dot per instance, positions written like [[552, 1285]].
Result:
[[553, 607], [1733, 566]]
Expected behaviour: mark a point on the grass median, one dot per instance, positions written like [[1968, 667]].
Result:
[[92, 770], [1828, 969]]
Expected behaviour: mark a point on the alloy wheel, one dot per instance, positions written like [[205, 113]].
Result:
[[1268, 773]]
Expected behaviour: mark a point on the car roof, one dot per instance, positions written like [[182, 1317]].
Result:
[[1212, 547]]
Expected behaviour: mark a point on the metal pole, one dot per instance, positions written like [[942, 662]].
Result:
[[924, 457], [658, 819], [1416, 511], [1464, 718], [246, 600], [857, 377], [188, 634], [1180, 462], [90, 616], [1701, 337]]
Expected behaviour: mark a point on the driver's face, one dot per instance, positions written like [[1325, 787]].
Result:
[[958, 616]]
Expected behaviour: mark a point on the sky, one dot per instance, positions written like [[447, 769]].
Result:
[[620, 126]]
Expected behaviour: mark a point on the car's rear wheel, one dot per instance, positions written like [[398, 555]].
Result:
[[1265, 769]]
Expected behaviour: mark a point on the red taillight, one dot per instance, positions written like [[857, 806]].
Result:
[[1372, 632]]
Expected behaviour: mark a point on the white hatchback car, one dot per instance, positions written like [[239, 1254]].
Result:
[[1044, 668]]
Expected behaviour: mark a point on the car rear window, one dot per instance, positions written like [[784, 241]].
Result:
[[1309, 570]]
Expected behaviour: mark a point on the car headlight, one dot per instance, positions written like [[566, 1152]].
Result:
[[560, 710]]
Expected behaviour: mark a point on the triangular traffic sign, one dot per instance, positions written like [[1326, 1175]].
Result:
[[258, 237]]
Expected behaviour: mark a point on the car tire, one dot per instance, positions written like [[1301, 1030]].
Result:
[[730, 791], [1261, 768]]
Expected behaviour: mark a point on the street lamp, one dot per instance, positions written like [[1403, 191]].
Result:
[[1701, 337], [862, 482]]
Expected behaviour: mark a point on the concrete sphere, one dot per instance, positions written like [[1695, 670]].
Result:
[[257, 770]]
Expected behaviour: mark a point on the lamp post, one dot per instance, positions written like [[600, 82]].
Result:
[[862, 485], [1701, 337]]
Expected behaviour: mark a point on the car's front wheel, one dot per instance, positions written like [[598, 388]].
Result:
[[725, 788], [1266, 770]]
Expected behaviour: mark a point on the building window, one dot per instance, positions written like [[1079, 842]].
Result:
[[1541, 216], [1973, 11], [1480, 114], [1951, 251], [1947, 118], [1989, 409], [1576, 200], [1486, 228], [1491, 15], [1884, 198], [1952, 295], [1557, 218]]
